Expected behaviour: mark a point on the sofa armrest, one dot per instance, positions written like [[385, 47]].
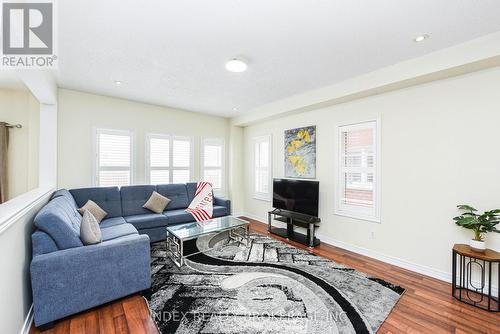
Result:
[[223, 202], [68, 281]]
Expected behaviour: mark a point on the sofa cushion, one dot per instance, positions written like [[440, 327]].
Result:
[[156, 203], [61, 221], [223, 202], [42, 243], [191, 190], [64, 193], [155, 234], [134, 197], [177, 194], [149, 220], [220, 211], [117, 231], [178, 216], [108, 222], [108, 198], [90, 233], [94, 209]]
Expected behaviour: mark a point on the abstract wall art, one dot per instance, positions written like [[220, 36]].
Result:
[[300, 152]]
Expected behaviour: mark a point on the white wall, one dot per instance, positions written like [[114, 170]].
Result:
[[236, 176], [439, 147], [15, 257], [20, 107], [80, 113]]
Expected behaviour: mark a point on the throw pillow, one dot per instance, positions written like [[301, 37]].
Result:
[[94, 209], [156, 203], [90, 233]]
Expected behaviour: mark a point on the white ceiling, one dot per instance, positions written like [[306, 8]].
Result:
[[172, 53]]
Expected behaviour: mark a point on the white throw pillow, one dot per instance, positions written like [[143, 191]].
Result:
[[90, 233], [94, 209], [156, 203]]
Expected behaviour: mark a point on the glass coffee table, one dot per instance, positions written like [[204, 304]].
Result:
[[178, 234]]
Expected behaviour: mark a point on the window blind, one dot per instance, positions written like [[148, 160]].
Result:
[[181, 156], [159, 153], [169, 159], [114, 151], [262, 163], [212, 156]]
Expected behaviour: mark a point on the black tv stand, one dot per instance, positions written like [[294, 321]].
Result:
[[294, 219]]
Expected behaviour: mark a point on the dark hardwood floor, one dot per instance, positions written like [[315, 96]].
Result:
[[426, 307]]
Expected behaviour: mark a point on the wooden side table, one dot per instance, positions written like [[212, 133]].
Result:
[[474, 271]]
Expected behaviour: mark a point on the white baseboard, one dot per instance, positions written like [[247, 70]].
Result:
[[424, 270], [418, 268], [263, 220], [237, 214], [27, 321]]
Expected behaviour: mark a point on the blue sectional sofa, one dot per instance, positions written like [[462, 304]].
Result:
[[68, 277]]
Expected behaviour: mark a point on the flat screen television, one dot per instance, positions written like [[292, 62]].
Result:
[[296, 196]]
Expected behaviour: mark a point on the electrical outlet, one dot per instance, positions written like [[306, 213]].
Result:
[[372, 235]]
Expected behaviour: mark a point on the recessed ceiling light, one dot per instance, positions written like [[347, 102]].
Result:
[[118, 82], [235, 109], [236, 65], [421, 38]]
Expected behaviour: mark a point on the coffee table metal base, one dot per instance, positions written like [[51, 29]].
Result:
[[175, 245]]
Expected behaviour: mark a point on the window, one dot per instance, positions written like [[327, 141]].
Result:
[[169, 159], [113, 158], [262, 168], [358, 194], [213, 162], [159, 155]]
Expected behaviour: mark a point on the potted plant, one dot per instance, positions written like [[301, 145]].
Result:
[[480, 224]]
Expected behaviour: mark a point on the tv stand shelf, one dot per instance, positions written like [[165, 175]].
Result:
[[293, 219]]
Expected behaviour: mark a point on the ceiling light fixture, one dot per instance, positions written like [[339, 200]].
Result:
[[236, 65], [235, 109], [118, 82], [421, 38]]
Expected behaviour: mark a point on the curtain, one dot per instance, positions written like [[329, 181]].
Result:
[[4, 140]]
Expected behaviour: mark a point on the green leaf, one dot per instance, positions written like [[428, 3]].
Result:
[[467, 221], [466, 207], [480, 224], [490, 214]]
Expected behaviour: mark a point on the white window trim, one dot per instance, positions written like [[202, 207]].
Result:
[[95, 170], [171, 168], [259, 195], [221, 141], [377, 181]]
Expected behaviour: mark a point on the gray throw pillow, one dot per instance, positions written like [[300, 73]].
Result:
[[90, 233], [156, 203], [94, 209]]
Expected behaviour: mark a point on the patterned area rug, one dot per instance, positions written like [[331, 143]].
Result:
[[268, 287]]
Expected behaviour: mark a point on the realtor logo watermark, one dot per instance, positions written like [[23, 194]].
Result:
[[28, 35]]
